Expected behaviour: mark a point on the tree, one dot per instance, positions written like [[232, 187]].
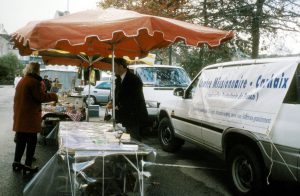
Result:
[[9, 66], [194, 59], [253, 21], [177, 9], [4, 72]]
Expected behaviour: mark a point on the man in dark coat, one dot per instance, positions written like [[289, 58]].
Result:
[[47, 83], [131, 108], [30, 93]]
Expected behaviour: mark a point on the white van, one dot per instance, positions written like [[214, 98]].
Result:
[[248, 112], [159, 82]]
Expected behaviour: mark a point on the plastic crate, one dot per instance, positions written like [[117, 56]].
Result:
[[94, 110]]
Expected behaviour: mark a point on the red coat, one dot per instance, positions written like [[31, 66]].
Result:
[[27, 104]]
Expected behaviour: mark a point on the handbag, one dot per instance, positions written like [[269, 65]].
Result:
[[107, 116]]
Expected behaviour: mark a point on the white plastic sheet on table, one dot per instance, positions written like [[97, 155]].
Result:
[[92, 161]]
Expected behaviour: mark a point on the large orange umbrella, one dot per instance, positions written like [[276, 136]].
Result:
[[111, 32], [98, 32]]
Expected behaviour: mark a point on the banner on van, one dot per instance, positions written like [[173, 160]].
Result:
[[246, 97]]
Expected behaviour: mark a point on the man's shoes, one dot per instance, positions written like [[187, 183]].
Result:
[[29, 170], [17, 166]]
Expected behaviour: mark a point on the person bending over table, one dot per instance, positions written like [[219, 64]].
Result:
[[30, 93], [130, 108]]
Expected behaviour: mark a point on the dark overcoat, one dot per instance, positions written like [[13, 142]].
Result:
[[130, 101], [27, 104]]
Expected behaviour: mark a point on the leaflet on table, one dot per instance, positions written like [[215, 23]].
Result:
[[92, 136]]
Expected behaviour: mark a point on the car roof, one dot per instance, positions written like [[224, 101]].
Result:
[[295, 59]]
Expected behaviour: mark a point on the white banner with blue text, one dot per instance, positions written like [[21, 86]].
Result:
[[247, 97]]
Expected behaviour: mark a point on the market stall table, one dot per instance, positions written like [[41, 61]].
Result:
[[92, 160], [71, 107], [66, 110]]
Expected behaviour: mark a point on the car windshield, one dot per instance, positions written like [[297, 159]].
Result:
[[163, 76]]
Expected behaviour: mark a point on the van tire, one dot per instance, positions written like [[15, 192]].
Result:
[[246, 171], [166, 136]]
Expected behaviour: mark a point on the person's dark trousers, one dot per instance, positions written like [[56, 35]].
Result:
[[134, 131], [24, 140]]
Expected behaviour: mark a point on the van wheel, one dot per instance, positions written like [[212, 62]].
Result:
[[166, 136], [91, 100], [246, 171]]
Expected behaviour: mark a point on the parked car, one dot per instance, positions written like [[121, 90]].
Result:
[[247, 112], [99, 94], [159, 82]]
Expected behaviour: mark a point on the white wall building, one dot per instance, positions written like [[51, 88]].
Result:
[[5, 46]]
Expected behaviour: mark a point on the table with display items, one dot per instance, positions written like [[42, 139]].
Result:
[[93, 159], [70, 109]]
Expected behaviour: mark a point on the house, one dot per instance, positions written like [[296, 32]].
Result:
[[5, 46], [61, 13], [4, 41]]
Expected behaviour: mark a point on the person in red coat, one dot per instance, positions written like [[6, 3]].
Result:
[[29, 95]]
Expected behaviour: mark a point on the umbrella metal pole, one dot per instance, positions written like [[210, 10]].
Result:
[[113, 88], [89, 95], [90, 62]]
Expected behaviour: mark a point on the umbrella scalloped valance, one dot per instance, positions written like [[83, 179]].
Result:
[[59, 57], [94, 32]]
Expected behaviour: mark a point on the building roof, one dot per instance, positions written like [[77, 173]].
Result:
[[5, 36], [3, 33]]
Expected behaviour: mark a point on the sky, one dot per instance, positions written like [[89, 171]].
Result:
[[15, 14]]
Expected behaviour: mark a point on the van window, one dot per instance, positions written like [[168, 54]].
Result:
[[293, 94], [189, 93], [163, 76]]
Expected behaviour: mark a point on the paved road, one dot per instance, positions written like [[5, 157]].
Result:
[[177, 178], [172, 178], [12, 184]]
